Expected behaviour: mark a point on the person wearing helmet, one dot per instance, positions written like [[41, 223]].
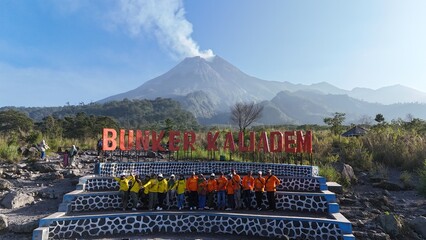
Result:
[[123, 181], [162, 191], [221, 191], [192, 188], [211, 191], [259, 186], [248, 185], [180, 187]]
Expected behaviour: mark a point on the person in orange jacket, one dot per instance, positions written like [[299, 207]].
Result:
[[222, 182], [211, 191], [230, 191], [192, 188], [248, 185], [271, 183], [259, 186], [237, 188]]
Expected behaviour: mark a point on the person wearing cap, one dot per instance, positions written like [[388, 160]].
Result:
[[211, 191], [170, 191], [248, 185], [134, 190], [180, 187], [162, 191], [192, 188], [202, 192], [144, 192], [221, 191], [237, 188], [152, 186], [271, 183], [123, 181], [259, 186], [230, 190]]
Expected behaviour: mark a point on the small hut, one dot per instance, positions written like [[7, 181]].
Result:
[[355, 132]]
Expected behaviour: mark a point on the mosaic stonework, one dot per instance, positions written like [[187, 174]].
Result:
[[193, 223], [167, 168], [289, 202], [291, 184]]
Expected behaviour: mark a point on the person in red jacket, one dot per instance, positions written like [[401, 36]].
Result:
[[192, 188], [271, 183], [248, 185]]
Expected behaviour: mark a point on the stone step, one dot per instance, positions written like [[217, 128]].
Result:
[[334, 187], [288, 183], [80, 201], [62, 226]]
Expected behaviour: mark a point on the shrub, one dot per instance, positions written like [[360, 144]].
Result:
[[406, 178], [9, 153], [422, 183], [330, 173]]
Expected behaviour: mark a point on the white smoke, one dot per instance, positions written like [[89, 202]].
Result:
[[166, 19]]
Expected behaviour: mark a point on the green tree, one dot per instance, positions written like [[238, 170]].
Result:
[[379, 118], [335, 122], [12, 121]]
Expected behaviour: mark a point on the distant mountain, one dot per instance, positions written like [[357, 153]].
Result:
[[208, 88]]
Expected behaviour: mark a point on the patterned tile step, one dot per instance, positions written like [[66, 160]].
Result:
[[323, 202], [61, 226], [167, 168], [288, 183]]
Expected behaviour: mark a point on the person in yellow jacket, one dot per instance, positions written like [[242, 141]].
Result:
[[123, 181], [162, 191], [180, 187], [134, 190], [152, 188]]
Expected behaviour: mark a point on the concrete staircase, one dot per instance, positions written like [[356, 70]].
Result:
[[305, 208]]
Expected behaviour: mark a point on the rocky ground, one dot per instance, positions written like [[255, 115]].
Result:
[[379, 208]]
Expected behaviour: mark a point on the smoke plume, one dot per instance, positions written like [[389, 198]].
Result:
[[166, 20]]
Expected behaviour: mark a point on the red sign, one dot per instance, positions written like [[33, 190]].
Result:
[[288, 141]]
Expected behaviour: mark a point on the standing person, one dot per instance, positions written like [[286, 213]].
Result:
[[180, 187], [222, 182], [99, 146], [73, 153], [259, 186], [144, 192], [123, 181], [65, 158], [152, 186], [170, 191], [43, 149], [162, 191], [211, 191], [192, 188], [202, 192], [248, 185], [237, 188], [271, 183], [230, 191], [134, 190]]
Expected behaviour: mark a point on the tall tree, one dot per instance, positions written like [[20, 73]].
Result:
[[379, 118], [244, 114], [336, 122]]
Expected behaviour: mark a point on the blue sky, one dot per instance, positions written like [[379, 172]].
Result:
[[75, 51]]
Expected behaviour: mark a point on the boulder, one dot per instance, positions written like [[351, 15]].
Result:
[[388, 185], [27, 227], [5, 185], [3, 222], [390, 223], [17, 199], [346, 171], [46, 167], [51, 176], [419, 225]]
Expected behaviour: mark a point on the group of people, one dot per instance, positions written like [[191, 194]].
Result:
[[232, 191]]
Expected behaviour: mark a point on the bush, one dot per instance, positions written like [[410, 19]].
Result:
[[9, 153], [422, 183], [406, 179], [330, 173]]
